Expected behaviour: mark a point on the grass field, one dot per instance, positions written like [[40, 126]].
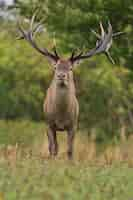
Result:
[[27, 172]]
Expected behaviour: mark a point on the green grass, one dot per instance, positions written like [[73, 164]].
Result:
[[34, 179], [33, 176], [21, 132]]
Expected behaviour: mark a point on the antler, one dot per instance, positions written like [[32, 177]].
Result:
[[29, 36], [102, 45]]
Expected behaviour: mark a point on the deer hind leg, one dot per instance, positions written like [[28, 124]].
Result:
[[70, 143], [52, 140]]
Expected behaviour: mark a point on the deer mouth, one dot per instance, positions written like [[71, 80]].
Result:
[[62, 82]]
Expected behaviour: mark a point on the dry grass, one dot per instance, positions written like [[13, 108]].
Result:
[[85, 151]]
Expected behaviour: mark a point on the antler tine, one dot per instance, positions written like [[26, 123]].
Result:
[[73, 53], [109, 57], [96, 34], [23, 35], [32, 21], [75, 57], [102, 30], [108, 37], [37, 29], [118, 33], [55, 51], [34, 28], [108, 42], [109, 28]]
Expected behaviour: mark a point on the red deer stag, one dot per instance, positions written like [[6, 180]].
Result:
[[61, 106]]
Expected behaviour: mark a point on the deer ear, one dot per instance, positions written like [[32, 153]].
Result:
[[75, 63], [52, 61]]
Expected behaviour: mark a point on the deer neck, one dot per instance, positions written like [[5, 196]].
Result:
[[63, 96]]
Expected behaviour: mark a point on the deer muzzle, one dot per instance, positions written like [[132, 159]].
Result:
[[62, 79]]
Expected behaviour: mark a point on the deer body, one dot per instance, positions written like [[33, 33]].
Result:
[[61, 106]]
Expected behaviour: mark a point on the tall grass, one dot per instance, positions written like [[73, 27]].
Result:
[[26, 138]]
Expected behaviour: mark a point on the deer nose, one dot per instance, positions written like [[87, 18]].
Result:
[[61, 75]]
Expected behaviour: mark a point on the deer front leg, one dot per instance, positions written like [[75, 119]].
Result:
[[52, 140], [70, 143]]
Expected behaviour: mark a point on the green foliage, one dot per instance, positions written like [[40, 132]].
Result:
[[105, 96], [24, 133], [24, 79]]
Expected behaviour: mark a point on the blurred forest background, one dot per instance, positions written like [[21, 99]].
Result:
[[103, 153], [105, 91]]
